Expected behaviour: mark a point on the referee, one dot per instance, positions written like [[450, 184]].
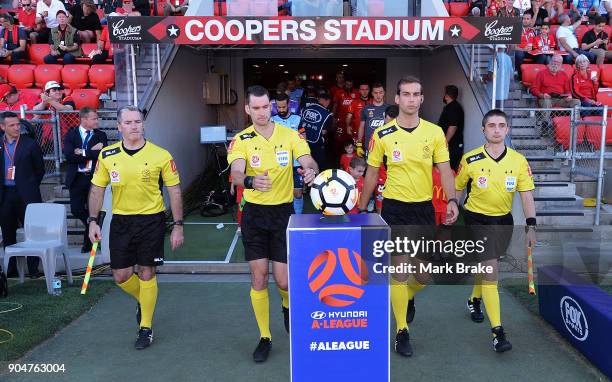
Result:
[[412, 145], [261, 158], [135, 168], [492, 174]]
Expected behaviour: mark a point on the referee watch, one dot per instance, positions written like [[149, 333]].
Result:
[[530, 223], [92, 219], [179, 222]]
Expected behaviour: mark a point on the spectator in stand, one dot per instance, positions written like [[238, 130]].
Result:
[[27, 16], [554, 8], [53, 99], [176, 9], [588, 9], [65, 42], [493, 7], [508, 10], [12, 99], [540, 14], [127, 9], [522, 51], [585, 83], [12, 41], [110, 6], [46, 18], [567, 39], [480, 5], [143, 6], [84, 18], [505, 73], [596, 41], [552, 86], [605, 8], [100, 54], [543, 43]]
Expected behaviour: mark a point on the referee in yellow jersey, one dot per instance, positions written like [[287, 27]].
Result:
[[261, 158], [412, 146], [492, 174], [135, 169]]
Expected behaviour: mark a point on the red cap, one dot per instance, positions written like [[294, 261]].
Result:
[[6, 89]]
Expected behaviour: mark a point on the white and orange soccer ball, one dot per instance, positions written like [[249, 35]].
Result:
[[334, 192]]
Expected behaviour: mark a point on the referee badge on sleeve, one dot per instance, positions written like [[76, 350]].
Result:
[[482, 182], [114, 175], [282, 157]]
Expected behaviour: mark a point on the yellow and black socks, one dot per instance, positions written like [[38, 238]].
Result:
[[285, 297], [490, 297], [131, 286], [148, 298], [477, 289], [399, 302], [261, 307], [413, 287]]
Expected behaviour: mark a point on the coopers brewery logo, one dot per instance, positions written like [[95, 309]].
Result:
[[128, 32], [336, 294], [574, 319], [498, 33]]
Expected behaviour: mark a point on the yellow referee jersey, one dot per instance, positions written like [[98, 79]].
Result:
[[136, 179], [410, 157], [491, 183], [274, 155]]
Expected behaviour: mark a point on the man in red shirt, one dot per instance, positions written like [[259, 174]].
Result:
[[11, 99], [353, 114], [552, 86], [27, 16], [522, 51], [336, 90]]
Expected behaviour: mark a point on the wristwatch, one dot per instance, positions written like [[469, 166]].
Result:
[[179, 222], [530, 226], [92, 219]]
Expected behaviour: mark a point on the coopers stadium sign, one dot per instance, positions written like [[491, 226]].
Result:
[[315, 30]]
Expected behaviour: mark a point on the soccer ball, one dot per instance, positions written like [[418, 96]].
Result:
[[334, 192]]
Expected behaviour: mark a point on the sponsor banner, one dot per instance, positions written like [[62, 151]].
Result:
[[315, 30], [339, 310], [581, 312]]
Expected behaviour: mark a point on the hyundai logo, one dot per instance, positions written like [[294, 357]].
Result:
[[318, 315]]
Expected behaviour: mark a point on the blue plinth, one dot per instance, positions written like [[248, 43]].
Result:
[[580, 311], [339, 307]]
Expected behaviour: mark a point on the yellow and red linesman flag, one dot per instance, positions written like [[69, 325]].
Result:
[[92, 255], [530, 272]]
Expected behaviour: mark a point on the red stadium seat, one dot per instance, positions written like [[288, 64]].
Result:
[[21, 76], [568, 69], [31, 93], [4, 73], [102, 77], [220, 8], [580, 31], [562, 131], [593, 132], [605, 97], [86, 97], [37, 53], [86, 48], [553, 29], [459, 9], [606, 75], [75, 76], [47, 72], [530, 71]]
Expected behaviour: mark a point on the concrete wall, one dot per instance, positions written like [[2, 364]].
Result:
[[175, 118]]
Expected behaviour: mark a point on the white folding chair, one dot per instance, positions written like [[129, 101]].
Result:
[[46, 236]]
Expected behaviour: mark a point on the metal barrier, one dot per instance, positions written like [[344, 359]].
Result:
[[577, 136], [50, 127]]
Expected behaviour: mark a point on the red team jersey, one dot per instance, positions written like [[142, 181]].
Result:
[[345, 162], [344, 102], [355, 110]]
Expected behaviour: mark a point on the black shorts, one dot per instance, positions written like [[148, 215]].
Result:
[[497, 229], [395, 212], [264, 231], [137, 239]]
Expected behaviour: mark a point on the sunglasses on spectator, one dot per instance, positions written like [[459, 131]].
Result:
[[26, 4]]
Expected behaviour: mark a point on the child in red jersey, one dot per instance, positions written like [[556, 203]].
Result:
[[357, 168], [349, 154]]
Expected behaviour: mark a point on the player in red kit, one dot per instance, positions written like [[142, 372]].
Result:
[[342, 105], [353, 116]]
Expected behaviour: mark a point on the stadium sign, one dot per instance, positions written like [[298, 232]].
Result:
[[315, 30]]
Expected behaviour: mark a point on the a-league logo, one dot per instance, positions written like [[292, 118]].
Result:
[[337, 295]]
